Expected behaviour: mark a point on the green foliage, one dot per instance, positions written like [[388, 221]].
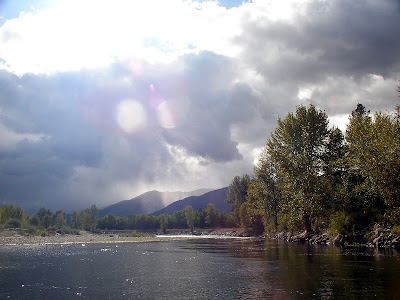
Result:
[[395, 229], [59, 219], [237, 190], [189, 216], [244, 214], [13, 223], [302, 147], [88, 218], [9, 211], [306, 170], [339, 223], [264, 192], [44, 233], [374, 155], [138, 234], [211, 218], [392, 216], [74, 220], [68, 230]]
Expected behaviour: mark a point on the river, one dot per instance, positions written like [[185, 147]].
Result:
[[198, 269]]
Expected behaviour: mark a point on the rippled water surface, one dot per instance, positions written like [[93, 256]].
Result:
[[198, 269]]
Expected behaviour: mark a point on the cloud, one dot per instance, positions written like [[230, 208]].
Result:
[[107, 125], [175, 98]]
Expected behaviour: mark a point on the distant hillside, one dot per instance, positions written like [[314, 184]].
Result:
[[147, 203], [216, 197]]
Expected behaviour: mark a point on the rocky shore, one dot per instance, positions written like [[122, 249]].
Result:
[[14, 237], [380, 238], [228, 232]]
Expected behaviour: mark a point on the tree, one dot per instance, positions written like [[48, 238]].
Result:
[[9, 211], [59, 219], [374, 154], [189, 216], [88, 218], [264, 191], [237, 190], [46, 221], [75, 220], [300, 148], [163, 223], [107, 222], [244, 215], [211, 219], [236, 194]]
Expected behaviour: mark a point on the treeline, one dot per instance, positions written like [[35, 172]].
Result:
[[13, 217], [187, 218], [46, 221], [312, 177], [87, 219]]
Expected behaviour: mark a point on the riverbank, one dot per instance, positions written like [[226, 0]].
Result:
[[14, 237], [379, 238]]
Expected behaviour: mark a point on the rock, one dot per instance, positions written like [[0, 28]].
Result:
[[377, 241], [338, 240]]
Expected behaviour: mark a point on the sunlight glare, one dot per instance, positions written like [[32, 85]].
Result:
[[130, 116], [165, 116]]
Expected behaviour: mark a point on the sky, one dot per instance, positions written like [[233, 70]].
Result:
[[101, 101]]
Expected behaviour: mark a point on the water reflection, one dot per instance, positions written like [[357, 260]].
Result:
[[304, 271], [198, 269]]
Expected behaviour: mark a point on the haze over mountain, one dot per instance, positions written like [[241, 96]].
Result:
[[216, 197], [148, 202]]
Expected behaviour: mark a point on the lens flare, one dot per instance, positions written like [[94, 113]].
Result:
[[130, 116], [152, 88], [136, 67], [165, 116]]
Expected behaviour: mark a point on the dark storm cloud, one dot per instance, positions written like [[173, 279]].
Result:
[[335, 48], [207, 102], [332, 38], [75, 115]]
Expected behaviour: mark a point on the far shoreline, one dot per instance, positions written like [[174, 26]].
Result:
[[12, 238]]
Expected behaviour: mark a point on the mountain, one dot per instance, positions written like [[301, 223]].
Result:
[[147, 203], [216, 197]]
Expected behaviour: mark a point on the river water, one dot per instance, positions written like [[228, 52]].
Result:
[[198, 269]]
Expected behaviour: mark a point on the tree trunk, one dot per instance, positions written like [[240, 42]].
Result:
[[307, 223]]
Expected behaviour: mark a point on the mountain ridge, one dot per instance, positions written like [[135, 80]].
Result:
[[148, 202], [216, 197]]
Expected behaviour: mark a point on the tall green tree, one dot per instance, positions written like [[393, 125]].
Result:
[[211, 219], [300, 147], [264, 191], [236, 194], [189, 216], [59, 219], [75, 220], [374, 154], [88, 218], [237, 190], [9, 211]]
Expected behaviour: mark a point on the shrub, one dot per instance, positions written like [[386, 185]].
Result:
[[13, 223], [395, 229], [31, 230], [68, 230], [44, 233], [393, 216], [339, 223]]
